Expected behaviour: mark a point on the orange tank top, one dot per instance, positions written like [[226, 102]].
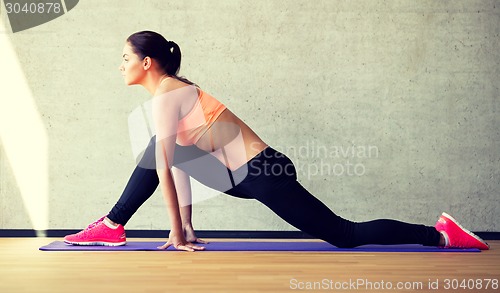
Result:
[[199, 120]]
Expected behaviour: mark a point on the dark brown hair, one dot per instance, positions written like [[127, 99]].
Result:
[[166, 53]]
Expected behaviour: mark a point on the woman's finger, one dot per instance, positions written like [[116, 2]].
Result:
[[198, 240], [196, 247], [165, 246], [185, 248]]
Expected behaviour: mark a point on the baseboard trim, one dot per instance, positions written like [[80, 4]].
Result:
[[199, 233], [164, 233]]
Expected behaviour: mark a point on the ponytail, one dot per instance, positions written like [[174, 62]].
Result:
[[174, 65], [172, 68]]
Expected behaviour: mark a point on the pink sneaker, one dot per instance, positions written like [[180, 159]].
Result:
[[98, 233], [458, 236], [96, 222]]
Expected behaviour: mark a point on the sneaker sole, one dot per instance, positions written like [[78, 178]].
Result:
[[96, 243], [465, 230]]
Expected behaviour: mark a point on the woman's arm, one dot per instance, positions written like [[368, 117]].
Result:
[[166, 109], [184, 194], [169, 193]]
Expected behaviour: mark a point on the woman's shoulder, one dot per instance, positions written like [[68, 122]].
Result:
[[173, 91], [174, 86]]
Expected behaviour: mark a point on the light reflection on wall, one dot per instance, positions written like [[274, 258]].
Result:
[[23, 136]]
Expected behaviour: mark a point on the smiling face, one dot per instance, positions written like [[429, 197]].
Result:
[[132, 68]]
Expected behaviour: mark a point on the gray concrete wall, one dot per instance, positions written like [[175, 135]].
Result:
[[388, 108]]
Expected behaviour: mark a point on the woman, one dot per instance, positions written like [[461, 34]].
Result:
[[193, 127]]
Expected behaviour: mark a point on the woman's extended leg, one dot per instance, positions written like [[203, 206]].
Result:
[[272, 180]]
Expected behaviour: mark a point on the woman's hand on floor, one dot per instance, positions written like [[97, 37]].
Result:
[[180, 243], [191, 236]]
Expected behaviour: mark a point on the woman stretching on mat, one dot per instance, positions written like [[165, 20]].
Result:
[[197, 136]]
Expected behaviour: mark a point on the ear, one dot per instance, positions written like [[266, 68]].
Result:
[[147, 62]]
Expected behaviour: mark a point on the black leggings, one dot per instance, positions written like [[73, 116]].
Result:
[[270, 178]]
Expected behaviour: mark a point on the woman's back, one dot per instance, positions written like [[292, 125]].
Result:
[[226, 137]]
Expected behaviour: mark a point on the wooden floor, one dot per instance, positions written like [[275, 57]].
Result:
[[23, 268]]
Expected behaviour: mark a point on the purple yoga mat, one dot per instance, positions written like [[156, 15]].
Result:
[[255, 246]]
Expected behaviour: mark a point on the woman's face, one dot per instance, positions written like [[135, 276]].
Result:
[[132, 66]]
